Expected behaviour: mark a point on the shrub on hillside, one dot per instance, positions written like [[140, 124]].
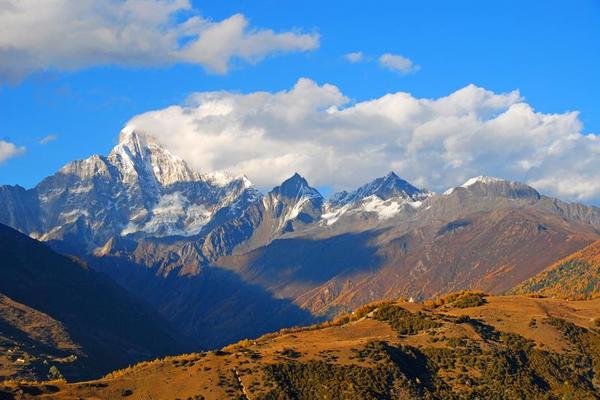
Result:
[[404, 322], [462, 299], [470, 300]]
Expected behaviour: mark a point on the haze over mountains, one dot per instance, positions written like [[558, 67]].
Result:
[[221, 261]]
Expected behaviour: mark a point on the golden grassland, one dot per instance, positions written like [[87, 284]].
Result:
[[463, 345]]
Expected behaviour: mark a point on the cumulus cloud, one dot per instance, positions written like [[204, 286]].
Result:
[[9, 150], [354, 57], [398, 63], [47, 139], [435, 143], [72, 34]]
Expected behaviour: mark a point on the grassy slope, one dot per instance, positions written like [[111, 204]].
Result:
[[574, 277], [504, 347]]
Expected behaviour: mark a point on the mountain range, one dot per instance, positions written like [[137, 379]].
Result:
[[221, 261]]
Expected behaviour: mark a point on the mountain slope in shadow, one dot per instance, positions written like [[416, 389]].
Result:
[[53, 307], [215, 306]]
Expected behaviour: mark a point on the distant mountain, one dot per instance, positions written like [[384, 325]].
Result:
[[140, 189], [383, 198], [574, 277], [384, 188], [57, 315], [214, 305], [293, 202], [465, 346], [495, 187]]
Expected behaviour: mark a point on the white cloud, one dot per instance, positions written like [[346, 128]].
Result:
[[72, 34], [354, 57], [47, 139], [434, 143], [398, 63], [9, 150]]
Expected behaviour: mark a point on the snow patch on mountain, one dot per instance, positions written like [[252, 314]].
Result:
[[481, 179], [172, 215], [219, 178], [72, 215], [297, 208], [386, 209], [332, 216]]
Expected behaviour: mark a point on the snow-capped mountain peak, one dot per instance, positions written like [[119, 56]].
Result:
[[386, 197], [296, 187], [385, 188], [294, 201], [138, 155], [140, 188], [495, 187], [481, 179]]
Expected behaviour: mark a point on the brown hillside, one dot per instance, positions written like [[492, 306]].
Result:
[[466, 346], [491, 251], [574, 277]]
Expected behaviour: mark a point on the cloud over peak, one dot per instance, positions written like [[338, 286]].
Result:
[[69, 35], [435, 143]]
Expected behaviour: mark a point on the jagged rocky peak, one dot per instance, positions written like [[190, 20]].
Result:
[[296, 187], [139, 155], [293, 202], [385, 188], [495, 187]]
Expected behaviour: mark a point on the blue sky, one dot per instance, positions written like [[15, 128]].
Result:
[[550, 52]]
